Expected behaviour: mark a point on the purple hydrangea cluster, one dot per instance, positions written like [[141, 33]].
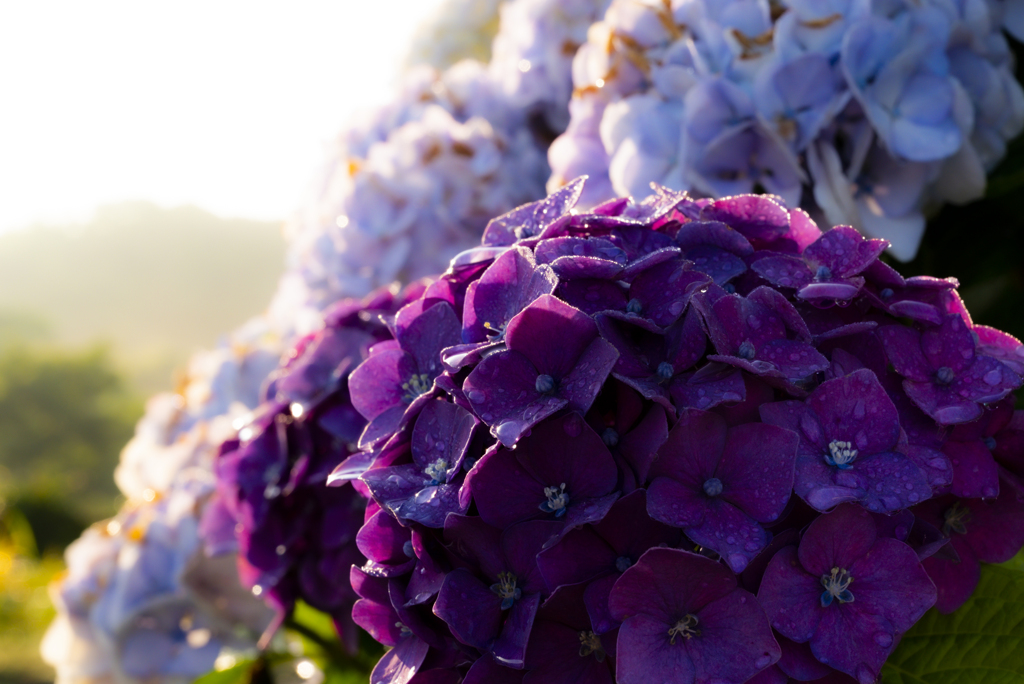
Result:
[[295, 537], [676, 440], [866, 112]]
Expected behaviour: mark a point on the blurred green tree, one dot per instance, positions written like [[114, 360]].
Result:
[[64, 417]]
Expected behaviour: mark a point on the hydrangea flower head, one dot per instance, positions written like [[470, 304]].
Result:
[[847, 591], [612, 443], [875, 110]]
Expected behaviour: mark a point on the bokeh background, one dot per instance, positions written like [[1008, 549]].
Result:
[[150, 152]]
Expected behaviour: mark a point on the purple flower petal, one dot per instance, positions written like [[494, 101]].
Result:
[[730, 532], [470, 609], [855, 408], [646, 656], [508, 286], [400, 664], [838, 540], [757, 468], [790, 596], [734, 641], [503, 393]]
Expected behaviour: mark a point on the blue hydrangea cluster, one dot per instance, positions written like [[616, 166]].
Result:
[[140, 600], [676, 440], [410, 186], [865, 112], [533, 52]]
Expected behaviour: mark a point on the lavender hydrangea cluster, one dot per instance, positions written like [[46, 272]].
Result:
[[865, 112], [677, 440], [140, 600], [295, 537], [532, 54], [409, 186]]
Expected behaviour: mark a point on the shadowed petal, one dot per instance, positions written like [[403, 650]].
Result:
[[646, 656]]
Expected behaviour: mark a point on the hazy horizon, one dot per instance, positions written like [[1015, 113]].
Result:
[[227, 106], [193, 278]]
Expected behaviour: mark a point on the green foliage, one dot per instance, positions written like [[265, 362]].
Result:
[[64, 417], [308, 636], [240, 673], [981, 643], [25, 611], [316, 633]]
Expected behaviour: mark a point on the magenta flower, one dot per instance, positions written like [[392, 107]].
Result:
[[986, 530], [828, 270], [762, 334], [849, 430], [562, 472], [684, 620], [720, 484], [391, 385], [515, 389], [943, 373], [846, 591]]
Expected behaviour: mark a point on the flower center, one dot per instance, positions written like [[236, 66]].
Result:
[[545, 384], [840, 454], [684, 628], [944, 375], [557, 500], [712, 486], [836, 587], [590, 643], [665, 371], [610, 437], [436, 471], [746, 350], [493, 331], [957, 516], [824, 273], [623, 563], [506, 589], [419, 383], [634, 306]]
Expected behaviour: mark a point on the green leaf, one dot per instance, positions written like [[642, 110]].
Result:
[[981, 643], [237, 674]]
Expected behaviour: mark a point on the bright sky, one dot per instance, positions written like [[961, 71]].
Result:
[[226, 104]]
